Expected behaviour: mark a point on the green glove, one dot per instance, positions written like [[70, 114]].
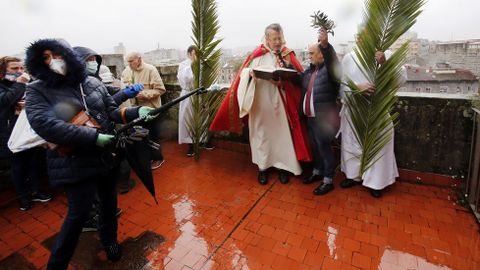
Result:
[[104, 139], [144, 111]]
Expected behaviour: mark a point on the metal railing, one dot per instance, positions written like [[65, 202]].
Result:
[[472, 187]]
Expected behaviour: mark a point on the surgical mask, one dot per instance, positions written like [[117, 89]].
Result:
[[12, 76], [92, 67], [58, 66]]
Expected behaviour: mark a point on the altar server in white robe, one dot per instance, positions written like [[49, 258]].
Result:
[[384, 170]]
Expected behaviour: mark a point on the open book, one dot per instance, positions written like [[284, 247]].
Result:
[[266, 73]]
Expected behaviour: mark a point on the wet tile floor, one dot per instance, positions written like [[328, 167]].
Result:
[[212, 214]]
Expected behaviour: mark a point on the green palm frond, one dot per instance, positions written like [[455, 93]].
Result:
[[386, 21], [320, 20], [206, 69]]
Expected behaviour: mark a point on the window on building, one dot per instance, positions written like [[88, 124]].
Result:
[[458, 89], [428, 90], [443, 89], [418, 89]]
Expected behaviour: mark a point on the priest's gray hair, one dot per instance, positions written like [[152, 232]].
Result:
[[273, 27]]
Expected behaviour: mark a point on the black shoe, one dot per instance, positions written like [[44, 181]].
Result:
[[348, 183], [126, 186], [312, 178], [376, 193], [263, 177], [283, 176], [190, 152], [323, 189], [209, 146], [40, 197], [118, 212], [114, 252], [25, 203], [90, 225], [155, 164]]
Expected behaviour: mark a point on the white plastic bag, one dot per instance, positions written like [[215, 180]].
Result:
[[23, 137]]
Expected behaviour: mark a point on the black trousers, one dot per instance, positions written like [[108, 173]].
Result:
[[322, 129], [26, 169], [154, 135], [80, 196]]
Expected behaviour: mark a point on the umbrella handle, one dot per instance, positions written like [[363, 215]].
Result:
[[161, 109]]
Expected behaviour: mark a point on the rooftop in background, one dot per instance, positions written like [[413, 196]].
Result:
[[465, 41], [444, 73]]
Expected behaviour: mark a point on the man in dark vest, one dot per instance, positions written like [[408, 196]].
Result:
[[320, 85]]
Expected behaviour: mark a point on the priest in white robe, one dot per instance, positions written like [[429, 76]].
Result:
[[277, 137]]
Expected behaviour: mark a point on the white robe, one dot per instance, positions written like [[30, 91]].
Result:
[[185, 78], [270, 138], [384, 171]]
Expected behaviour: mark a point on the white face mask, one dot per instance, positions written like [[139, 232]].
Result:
[[12, 76], [92, 67], [58, 66]]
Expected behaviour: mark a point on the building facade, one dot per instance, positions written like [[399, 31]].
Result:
[[441, 79]]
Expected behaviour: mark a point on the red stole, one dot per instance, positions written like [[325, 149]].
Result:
[[227, 118]]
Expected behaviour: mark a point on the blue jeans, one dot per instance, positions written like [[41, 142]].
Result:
[[80, 196]]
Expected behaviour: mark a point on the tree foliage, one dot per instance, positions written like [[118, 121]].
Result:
[[206, 68]]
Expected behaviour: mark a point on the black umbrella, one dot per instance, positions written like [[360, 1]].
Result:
[[139, 156], [137, 146]]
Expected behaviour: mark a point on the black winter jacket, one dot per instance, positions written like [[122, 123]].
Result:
[[83, 54], [54, 99], [10, 94], [327, 83]]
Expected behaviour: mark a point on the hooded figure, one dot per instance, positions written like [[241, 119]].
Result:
[[84, 54], [62, 90], [93, 69]]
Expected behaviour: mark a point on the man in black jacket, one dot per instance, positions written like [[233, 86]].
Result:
[[320, 85], [25, 166], [61, 92]]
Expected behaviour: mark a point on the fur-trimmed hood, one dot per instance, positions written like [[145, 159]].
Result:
[[76, 72], [83, 53]]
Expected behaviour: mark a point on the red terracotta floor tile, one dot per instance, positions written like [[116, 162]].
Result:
[[361, 261], [214, 215]]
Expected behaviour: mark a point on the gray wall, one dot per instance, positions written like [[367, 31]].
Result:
[[433, 134], [115, 62]]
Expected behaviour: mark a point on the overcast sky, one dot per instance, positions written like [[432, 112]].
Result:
[[144, 24]]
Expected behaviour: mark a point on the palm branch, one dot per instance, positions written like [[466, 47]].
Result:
[[320, 20], [370, 118], [206, 68]]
